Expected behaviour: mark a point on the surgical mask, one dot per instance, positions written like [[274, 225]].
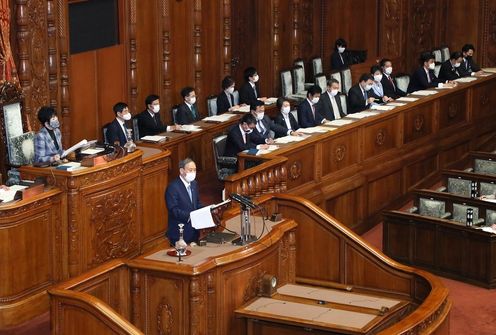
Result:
[[54, 123], [126, 116], [156, 108], [285, 110], [260, 116], [388, 70], [341, 49], [378, 77], [192, 100], [230, 90], [255, 78], [432, 66], [315, 100], [190, 176], [249, 131], [334, 92], [368, 87], [457, 65]]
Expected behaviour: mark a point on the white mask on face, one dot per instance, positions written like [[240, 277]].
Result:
[[334, 92], [255, 78], [192, 100], [368, 87], [457, 64], [260, 116], [432, 66], [126, 116], [190, 176], [341, 49], [315, 100], [285, 110], [230, 90], [249, 131], [156, 108], [378, 77], [388, 70]]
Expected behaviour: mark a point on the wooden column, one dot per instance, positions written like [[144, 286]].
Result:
[[166, 56], [133, 69], [65, 101], [197, 50], [226, 9]]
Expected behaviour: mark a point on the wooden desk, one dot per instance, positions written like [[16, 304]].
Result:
[[32, 258]]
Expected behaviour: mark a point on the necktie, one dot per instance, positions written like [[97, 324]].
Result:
[[193, 110], [261, 126], [255, 91], [155, 119], [231, 100], [365, 96], [313, 111], [189, 193], [428, 76], [391, 80]]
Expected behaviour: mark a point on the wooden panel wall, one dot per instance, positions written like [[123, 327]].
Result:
[[167, 44]]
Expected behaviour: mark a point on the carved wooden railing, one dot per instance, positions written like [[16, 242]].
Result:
[[269, 177]]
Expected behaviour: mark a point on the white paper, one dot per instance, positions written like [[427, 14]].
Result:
[[338, 122], [424, 92], [489, 69], [407, 99], [92, 151], [315, 130], [219, 118], [8, 195], [397, 104], [289, 139], [242, 109], [382, 107], [488, 230], [202, 218], [190, 127], [76, 146], [270, 101], [154, 138], [465, 79]]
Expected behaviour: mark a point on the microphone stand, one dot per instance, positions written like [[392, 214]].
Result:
[[245, 232]]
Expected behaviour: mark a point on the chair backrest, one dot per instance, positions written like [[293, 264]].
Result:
[[337, 76], [430, 207], [437, 55], [295, 114], [487, 188], [402, 82], [460, 213], [317, 66], [236, 97], [344, 103], [286, 83], [347, 82], [437, 68], [490, 217], [174, 112], [299, 79], [104, 132], [136, 135], [212, 105], [219, 143], [21, 149], [484, 166], [445, 54], [321, 80], [461, 187], [300, 62]]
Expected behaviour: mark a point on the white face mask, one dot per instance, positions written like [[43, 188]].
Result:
[[255, 78], [190, 176], [388, 70], [260, 116], [249, 131], [341, 49], [457, 64], [315, 100], [285, 110], [368, 87], [192, 100], [334, 92], [230, 90], [378, 77], [126, 116], [156, 108], [432, 66]]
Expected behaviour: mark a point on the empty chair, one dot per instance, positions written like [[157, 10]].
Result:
[[174, 112], [484, 166], [225, 166], [487, 188], [445, 54], [490, 217], [295, 114], [287, 87], [437, 56], [460, 186], [460, 214], [437, 68], [300, 62], [337, 76], [212, 105], [136, 135], [344, 103], [434, 208], [346, 80], [321, 80], [317, 67], [402, 82], [236, 97], [299, 82]]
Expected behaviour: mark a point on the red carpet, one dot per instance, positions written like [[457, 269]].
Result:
[[474, 308]]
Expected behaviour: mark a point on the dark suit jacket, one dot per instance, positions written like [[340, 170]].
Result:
[[179, 207], [467, 67], [448, 72], [269, 125], [356, 100], [184, 115], [115, 133], [247, 95], [336, 62], [390, 89], [305, 116], [222, 102], [418, 80], [235, 143], [279, 120], [150, 125], [325, 106]]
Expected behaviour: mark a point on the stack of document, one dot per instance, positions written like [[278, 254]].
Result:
[[407, 99], [8, 195], [465, 79], [190, 127], [315, 130], [219, 118], [397, 104], [270, 101], [268, 150], [242, 109], [425, 92], [289, 139], [489, 69], [338, 122], [154, 138], [382, 107], [71, 166], [92, 151]]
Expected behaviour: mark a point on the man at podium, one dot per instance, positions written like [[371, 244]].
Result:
[[182, 197]]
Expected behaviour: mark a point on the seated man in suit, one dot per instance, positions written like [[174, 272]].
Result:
[[240, 137], [149, 122], [424, 77], [449, 69], [182, 197], [388, 85], [377, 89], [308, 110], [188, 113], [225, 99], [468, 67], [339, 58], [359, 95], [266, 129], [249, 92], [330, 102], [48, 141], [117, 130], [285, 118]]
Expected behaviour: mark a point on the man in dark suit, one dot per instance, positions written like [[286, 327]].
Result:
[[249, 92], [424, 77], [187, 112], [388, 84], [149, 122], [266, 130], [359, 95], [308, 110], [240, 136], [468, 67], [330, 103], [449, 69], [285, 118], [225, 99], [182, 197], [340, 58], [117, 129]]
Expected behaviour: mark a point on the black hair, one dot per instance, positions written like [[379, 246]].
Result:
[[255, 104], [249, 72], [468, 47], [46, 113], [384, 61], [426, 56], [456, 55], [365, 77], [331, 81], [314, 90], [186, 91], [151, 98], [227, 82], [248, 119], [340, 42], [119, 107], [280, 101], [374, 69]]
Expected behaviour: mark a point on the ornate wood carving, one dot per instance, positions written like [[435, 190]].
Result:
[[391, 32], [197, 52], [64, 71], [489, 34], [380, 137], [165, 319], [211, 299], [340, 152], [295, 170], [136, 298], [295, 36], [306, 23], [226, 55], [422, 28], [275, 46], [197, 305], [453, 110], [253, 286], [133, 73], [52, 53], [166, 54]]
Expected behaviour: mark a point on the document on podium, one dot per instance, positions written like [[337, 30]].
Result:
[[202, 218]]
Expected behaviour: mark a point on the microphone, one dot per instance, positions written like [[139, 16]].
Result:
[[242, 200]]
